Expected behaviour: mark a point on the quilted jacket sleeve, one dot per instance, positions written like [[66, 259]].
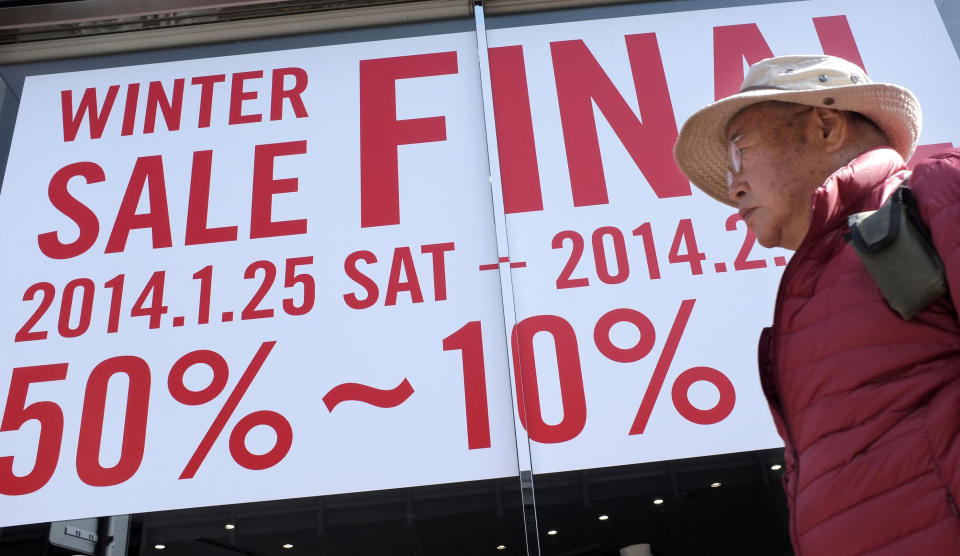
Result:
[[936, 182]]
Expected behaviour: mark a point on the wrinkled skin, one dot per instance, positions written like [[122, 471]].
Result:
[[788, 150]]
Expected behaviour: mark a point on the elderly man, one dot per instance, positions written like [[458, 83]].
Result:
[[866, 401]]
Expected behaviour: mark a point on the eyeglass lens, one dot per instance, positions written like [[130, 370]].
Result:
[[736, 160]]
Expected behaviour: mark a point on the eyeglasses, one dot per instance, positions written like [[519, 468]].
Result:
[[736, 160], [736, 153]]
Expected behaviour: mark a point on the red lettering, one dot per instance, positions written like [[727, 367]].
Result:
[[403, 260], [836, 38], [147, 171], [130, 109], [171, 108], [85, 219], [381, 133], [238, 96], [373, 292], [517, 150], [581, 82], [437, 250], [88, 109], [265, 186], [732, 44], [293, 94], [206, 83], [199, 203]]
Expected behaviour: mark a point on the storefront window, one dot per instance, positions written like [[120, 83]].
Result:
[[373, 292]]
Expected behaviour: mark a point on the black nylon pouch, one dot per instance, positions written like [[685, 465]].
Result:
[[896, 247]]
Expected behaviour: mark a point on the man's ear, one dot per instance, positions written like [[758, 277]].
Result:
[[828, 128]]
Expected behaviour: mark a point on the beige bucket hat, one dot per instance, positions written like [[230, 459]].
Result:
[[703, 153]]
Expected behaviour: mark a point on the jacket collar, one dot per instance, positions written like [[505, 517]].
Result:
[[847, 189]]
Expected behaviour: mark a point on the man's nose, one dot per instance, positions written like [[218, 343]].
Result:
[[737, 189]]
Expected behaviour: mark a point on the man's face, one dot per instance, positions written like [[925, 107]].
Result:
[[776, 179]]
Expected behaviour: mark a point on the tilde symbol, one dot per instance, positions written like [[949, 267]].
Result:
[[351, 391]]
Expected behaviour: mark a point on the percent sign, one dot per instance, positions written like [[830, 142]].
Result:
[[681, 386], [221, 372]]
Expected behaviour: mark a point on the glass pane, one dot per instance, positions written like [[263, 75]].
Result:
[[461, 518], [667, 507], [273, 300], [640, 299]]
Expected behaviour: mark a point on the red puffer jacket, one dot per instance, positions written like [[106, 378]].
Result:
[[868, 404]]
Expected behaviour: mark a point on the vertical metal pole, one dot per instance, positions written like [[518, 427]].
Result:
[[524, 463], [116, 533]]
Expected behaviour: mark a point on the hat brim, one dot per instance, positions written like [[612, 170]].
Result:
[[702, 150]]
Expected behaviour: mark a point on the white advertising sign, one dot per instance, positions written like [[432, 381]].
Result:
[[250, 288], [641, 299], [276, 275]]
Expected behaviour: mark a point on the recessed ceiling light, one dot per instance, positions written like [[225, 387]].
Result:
[[159, 546], [288, 545], [229, 526], [658, 501], [776, 467], [501, 547], [714, 485], [552, 532], [604, 517]]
